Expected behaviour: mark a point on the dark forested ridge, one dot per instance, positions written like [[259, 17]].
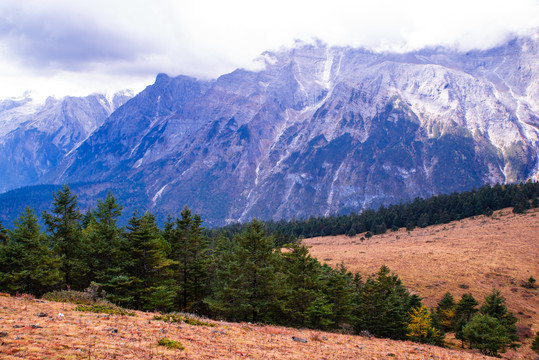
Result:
[[420, 212], [241, 273]]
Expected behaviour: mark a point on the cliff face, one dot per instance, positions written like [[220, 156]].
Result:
[[320, 130]]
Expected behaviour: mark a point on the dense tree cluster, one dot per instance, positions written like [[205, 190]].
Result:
[[243, 276], [491, 328], [418, 213]]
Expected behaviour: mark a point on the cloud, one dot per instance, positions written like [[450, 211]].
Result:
[[64, 37], [128, 42]]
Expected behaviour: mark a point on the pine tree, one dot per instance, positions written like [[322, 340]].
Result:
[[190, 251], [246, 287], [445, 312], [103, 240], [65, 235], [464, 311], [487, 334], [31, 267], [146, 280], [302, 282], [338, 287], [319, 313], [494, 306], [383, 306], [3, 234]]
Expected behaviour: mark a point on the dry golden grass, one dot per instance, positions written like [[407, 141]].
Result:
[[472, 255], [80, 335]]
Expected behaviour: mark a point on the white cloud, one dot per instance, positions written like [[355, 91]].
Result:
[[76, 47]]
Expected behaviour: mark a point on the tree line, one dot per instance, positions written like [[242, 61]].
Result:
[[243, 276], [420, 212]]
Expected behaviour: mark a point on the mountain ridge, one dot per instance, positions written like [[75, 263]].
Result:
[[320, 130]]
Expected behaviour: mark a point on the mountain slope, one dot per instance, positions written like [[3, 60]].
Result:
[[67, 333], [320, 130], [35, 137], [472, 255]]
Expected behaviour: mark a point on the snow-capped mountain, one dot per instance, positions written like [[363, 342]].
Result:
[[35, 136], [320, 130]]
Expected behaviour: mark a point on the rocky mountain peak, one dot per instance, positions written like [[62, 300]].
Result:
[[319, 130]]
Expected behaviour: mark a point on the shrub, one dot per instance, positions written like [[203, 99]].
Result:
[[530, 284], [185, 318], [171, 344], [71, 296], [88, 296], [524, 331], [104, 308]]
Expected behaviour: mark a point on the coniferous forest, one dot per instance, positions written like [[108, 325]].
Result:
[[240, 273], [420, 212]]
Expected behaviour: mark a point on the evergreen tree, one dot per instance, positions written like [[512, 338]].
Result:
[[487, 334], [146, 280], [494, 306], [445, 312], [464, 311], [29, 266], [103, 240], [338, 287], [246, 287], [319, 313], [302, 287], [520, 203], [383, 306], [3, 234], [190, 251], [65, 237]]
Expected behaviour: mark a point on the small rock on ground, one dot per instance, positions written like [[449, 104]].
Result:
[[298, 339]]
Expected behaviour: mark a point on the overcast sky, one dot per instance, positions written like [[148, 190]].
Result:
[[59, 47]]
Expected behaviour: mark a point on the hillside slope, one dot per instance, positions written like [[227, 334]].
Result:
[[472, 255], [81, 335]]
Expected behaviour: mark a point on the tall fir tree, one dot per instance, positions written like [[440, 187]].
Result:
[[338, 287], [465, 310], [103, 237], [65, 237], [246, 287], [535, 343], [29, 265], [302, 287], [495, 307], [383, 306], [190, 251], [147, 276], [445, 312]]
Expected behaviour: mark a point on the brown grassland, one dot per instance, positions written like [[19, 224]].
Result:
[[83, 335], [472, 255]]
